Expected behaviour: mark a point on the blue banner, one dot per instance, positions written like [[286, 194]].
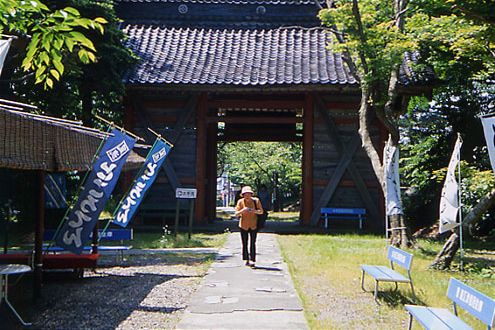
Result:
[[55, 191], [96, 191], [145, 178]]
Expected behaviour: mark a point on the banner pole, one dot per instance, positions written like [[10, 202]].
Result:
[[141, 170], [112, 124], [79, 188], [460, 208], [10, 36], [160, 137]]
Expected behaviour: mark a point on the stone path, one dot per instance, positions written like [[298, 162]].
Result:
[[234, 296]]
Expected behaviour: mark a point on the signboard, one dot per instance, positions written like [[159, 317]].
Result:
[[185, 193]]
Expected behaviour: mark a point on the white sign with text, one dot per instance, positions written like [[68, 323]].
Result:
[[188, 193]]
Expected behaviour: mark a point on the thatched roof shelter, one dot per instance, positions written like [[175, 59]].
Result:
[[36, 142]]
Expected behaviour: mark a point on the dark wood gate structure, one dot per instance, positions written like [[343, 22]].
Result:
[[260, 67]]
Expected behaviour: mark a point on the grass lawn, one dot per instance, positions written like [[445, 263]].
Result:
[[326, 273], [283, 216], [143, 240]]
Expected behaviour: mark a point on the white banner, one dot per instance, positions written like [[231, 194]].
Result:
[[4, 49], [449, 201], [393, 202], [489, 129]]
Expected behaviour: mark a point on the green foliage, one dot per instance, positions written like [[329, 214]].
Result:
[[428, 133], [86, 89], [377, 47], [168, 240], [255, 163], [54, 34], [457, 37]]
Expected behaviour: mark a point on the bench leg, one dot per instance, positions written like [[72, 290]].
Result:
[[412, 289], [410, 322], [362, 282], [376, 292]]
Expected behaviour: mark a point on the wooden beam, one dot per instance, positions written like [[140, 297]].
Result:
[[307, 163], [337, 175], [263, 138], [257, 104], [347, 183], [201, 136], [332, 106], [190, 107], [255, 120], [355, 175]]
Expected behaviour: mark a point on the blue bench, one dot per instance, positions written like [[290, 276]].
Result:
[[339, 213], [389, 274], [121, 235], [474, 302]]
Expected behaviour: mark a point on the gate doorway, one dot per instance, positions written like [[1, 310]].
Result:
[[272, 169], [264, 118]]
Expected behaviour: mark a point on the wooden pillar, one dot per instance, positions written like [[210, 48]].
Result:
[[38, 236], [211, 191], [307, 162], [201, 136]]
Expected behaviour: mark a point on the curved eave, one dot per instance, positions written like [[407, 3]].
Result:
[[246, 88]]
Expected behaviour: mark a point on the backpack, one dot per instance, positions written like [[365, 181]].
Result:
[[260, 224]]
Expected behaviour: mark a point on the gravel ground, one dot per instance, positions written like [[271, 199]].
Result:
[[148, 292]]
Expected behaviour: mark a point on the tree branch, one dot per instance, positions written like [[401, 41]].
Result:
[[389, 110], [362, 37]]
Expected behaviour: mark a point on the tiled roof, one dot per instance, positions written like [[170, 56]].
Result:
[[238, 57], [232, 2]]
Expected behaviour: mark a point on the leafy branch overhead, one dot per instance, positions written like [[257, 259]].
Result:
[[53, 35]]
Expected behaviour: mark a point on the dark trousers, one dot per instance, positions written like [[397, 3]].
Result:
[[252, 246]]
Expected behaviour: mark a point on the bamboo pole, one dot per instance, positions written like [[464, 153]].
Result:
[[112, 124], [160, 137]]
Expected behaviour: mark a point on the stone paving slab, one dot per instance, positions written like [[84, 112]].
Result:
[[234, 296]]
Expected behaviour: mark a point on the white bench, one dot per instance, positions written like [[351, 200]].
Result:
[[474, 302], [389, 274]]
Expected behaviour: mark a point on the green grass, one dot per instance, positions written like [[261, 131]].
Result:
[[160, 240], [283, 216], [326, 273]]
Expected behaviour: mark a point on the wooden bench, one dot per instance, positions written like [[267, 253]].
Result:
[[111, 234], [474, 302], [389, 274], [339, 213]]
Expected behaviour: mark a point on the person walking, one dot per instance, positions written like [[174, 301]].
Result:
[[248, 207]]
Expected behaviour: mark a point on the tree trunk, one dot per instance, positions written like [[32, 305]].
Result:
[[446, 255], [87, 106], [400, 237], [481, 208]]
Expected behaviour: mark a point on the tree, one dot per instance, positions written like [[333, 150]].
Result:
[[370, 35], [91, 88], [375, 37], [255, 163], [50, 36]]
